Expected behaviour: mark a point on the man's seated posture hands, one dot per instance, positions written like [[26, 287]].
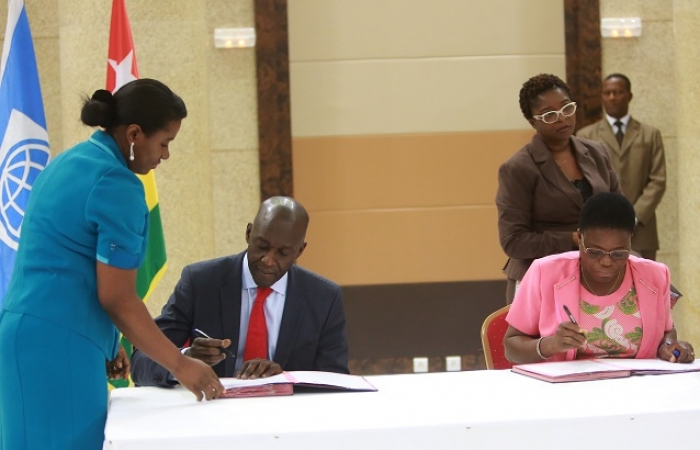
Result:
[[267, 313]]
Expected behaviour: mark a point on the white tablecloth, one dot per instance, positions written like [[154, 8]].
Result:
[[479, 410]]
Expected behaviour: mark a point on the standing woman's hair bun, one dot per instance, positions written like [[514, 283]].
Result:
[[99, 110]]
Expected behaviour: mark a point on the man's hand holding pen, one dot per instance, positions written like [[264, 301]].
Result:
[[211, 351], [207, 350]]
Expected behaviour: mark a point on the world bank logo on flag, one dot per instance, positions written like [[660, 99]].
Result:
[[24, 153]]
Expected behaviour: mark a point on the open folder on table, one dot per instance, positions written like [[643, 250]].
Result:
[[601, 369], [283, 384]]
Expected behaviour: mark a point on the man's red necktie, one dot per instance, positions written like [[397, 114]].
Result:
[[256, 341]]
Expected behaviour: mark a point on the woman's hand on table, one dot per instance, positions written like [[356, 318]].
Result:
[[676, 351]]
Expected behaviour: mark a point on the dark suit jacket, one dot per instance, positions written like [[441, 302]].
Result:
[[641, 165], [208, 297], [538, 207]]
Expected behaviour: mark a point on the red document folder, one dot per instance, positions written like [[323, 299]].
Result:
[[283, 384], [600, 369]]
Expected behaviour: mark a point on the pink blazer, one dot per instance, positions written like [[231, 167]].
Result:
[[553, 281]]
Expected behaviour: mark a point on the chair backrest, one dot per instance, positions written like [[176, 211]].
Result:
[[492, 332]]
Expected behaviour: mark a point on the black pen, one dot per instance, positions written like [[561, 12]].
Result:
[[201, 333], [571, 316]]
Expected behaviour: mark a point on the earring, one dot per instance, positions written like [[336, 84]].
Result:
[[131, 152]]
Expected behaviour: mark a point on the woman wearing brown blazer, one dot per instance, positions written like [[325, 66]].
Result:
[[542, 187]]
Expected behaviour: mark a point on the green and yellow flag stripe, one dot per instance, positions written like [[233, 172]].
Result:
[[155, 263]]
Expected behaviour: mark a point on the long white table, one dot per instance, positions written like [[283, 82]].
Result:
[[475, 410]]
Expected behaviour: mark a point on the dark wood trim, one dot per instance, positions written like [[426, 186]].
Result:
[[274, 117], [583, 58]]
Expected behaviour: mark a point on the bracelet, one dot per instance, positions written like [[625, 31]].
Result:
[[539, 351]]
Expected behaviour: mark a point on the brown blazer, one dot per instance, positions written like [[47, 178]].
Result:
[[641, 166], [538, 207]]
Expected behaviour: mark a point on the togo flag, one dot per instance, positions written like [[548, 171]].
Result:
[[24, 142], [121, 68]]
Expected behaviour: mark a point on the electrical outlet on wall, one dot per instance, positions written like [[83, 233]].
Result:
[[453, 363], [420, 364]]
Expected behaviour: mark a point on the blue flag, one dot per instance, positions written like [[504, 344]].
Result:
[[24, 142]]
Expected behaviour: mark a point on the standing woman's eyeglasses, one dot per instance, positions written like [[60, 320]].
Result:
[[567, 110]]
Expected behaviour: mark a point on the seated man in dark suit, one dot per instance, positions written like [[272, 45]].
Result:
[[298, 324]]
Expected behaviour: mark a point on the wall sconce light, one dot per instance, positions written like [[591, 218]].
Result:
[[234, 37], [621, 27]]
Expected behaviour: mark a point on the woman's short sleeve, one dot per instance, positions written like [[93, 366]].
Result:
[[117, 209], [525, 311]]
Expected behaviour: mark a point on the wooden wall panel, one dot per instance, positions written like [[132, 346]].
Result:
[[583, 58], [405, 245], [274, 121], [403, 208], [347, 173]]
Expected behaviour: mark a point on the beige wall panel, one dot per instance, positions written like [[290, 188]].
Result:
[[49, 67], [667, 212], [321, 30], [233, 119], [236, 198], [233, 107], [83, 62], [405, 246], [648, 10], [344, 173], [653, 83], [42, 15], [413, 95]]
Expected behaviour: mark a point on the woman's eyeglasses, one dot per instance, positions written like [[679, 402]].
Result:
[[597, 253], [567, 110]]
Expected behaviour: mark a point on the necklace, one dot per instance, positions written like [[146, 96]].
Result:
[[583, 275]]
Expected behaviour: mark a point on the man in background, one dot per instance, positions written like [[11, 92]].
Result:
[[262, 313], [637, 155]]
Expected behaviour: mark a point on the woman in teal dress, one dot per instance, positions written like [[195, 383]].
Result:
[[74, 283]]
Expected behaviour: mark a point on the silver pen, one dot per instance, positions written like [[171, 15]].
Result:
[[201, 333]]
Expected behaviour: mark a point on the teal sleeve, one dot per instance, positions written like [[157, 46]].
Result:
[[117, 208]]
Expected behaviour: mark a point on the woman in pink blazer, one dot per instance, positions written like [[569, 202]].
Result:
[[597, 302]]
